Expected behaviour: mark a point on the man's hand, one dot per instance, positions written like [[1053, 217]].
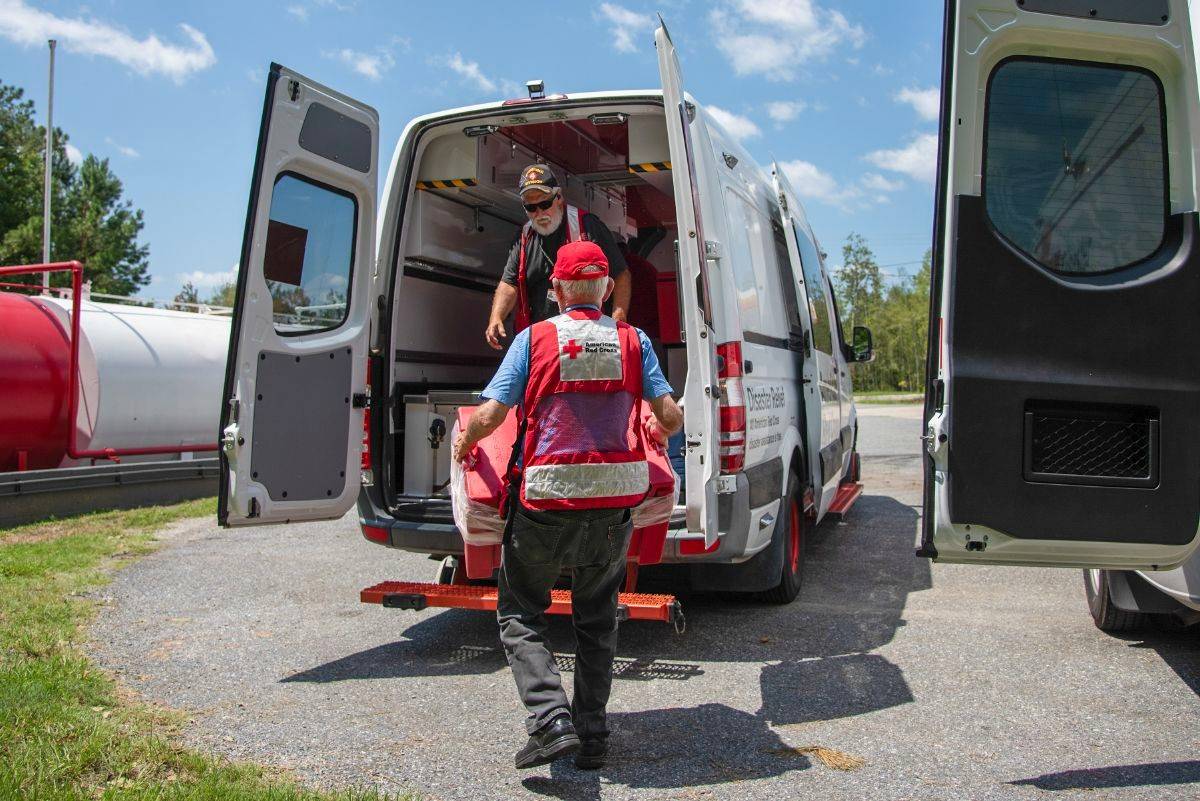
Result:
[[461, 448], [503, 302], [494, 333], [486, 419]]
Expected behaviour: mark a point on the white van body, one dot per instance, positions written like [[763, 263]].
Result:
[[1063, 404], [735, 260]]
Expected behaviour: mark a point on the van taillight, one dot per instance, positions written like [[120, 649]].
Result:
[[732, 407]]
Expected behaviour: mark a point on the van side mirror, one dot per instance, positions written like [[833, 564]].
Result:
[[862, 347]]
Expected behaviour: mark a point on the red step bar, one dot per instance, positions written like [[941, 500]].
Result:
[[420, 595], [847, 494]]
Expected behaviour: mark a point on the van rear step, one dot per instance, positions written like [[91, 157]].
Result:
[[419, 595], [847, 494]]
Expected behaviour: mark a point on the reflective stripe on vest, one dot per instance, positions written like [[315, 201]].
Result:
[[573, 217], [591, 480]]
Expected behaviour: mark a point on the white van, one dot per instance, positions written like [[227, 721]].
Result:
[[1063, 407], [355, 341]]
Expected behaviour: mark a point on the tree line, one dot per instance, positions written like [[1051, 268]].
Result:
[[90, 220], [897, 314]]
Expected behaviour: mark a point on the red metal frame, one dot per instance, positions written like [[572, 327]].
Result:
[[637, 606], [112, 454]]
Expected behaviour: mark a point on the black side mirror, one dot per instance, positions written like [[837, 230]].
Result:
[[862, 348]]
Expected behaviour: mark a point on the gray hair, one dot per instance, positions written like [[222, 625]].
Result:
[[590, 290]]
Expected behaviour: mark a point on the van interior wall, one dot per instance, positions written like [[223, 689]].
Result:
[[464, 217]]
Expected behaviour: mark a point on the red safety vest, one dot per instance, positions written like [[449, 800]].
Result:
[[573, 218], [583, 448]]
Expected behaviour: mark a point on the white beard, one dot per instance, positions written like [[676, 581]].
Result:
[[550, 226]]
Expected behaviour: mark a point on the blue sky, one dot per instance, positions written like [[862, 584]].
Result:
[[842, 92]]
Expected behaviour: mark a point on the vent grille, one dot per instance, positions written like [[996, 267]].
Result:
[[1096, 446]]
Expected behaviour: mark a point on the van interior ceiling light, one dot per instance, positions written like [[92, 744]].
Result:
[[609, 118], [480, 130], [537, 89]]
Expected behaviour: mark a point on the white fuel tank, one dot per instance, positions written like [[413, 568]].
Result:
[[148, 377]]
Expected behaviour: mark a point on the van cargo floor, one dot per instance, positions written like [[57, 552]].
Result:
[[419, 595]]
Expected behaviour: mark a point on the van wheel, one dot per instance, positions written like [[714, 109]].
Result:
[[793, 528], [1105, 614]]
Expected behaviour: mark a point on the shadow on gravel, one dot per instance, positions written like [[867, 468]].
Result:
[[1152, 774], [671, 748], [1181, 651], [815, 652]]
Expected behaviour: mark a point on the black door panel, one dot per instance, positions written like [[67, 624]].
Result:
[[1095, 377]]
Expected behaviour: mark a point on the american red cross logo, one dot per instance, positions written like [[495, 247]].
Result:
[[571, 349]]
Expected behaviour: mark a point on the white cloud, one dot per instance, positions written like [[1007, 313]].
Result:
[[813, 183], [124, 150], [772, 37], [917, 159], [625, 25], [926, 102], [469, 70], [878, 183], [785, 110], [299, 12], [31, 27], [739, 127], [370, 65], [208, 280], [73, 154]]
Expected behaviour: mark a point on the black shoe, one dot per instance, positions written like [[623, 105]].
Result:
[[592, 752], [555, 739]]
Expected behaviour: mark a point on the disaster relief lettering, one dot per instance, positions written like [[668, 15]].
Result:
[[765, 401]]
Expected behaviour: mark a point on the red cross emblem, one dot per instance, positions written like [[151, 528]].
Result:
[[571, 349]]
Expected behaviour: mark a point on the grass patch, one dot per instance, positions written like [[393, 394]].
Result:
[[65, 730]]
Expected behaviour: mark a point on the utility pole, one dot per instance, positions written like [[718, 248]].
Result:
[[49, 162]]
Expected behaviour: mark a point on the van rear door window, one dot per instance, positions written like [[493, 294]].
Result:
[[1075, 162], [309, 255]]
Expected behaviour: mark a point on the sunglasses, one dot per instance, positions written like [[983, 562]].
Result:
[[543, 206]]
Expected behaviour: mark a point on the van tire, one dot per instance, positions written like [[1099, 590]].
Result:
[[793, 530], [1105, 614]]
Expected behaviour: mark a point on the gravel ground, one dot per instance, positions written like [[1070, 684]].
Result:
[[950, 682]]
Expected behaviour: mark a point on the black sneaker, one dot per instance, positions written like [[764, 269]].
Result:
[[591, 754], [556, 739]]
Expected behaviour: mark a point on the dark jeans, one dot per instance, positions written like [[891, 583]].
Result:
[[592, 544]]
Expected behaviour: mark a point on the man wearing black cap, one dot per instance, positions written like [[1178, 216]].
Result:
[[525, 288]]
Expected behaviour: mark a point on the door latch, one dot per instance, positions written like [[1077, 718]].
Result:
[[361, 400]]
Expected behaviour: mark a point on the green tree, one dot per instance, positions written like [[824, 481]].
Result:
[[101, 231], [858, 283], [91, 222], [898, 319], [22, 145], [223, 295], [187, 294]]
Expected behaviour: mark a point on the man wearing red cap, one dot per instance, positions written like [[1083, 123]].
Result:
[[524, 289], [579, 379]]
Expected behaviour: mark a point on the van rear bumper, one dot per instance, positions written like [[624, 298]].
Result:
[[423, 528]]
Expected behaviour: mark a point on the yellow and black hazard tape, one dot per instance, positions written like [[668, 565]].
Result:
[[651, 166], [453, 183]]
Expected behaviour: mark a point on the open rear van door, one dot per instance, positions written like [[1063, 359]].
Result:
[[700, 393], [1063, 409], [295, 383]]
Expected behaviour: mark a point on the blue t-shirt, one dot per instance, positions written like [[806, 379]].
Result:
[[508, 384]]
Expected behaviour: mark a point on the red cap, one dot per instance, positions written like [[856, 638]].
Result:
[[580, 261]]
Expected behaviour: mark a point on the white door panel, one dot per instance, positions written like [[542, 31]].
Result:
[[295, 385], [699, 395]]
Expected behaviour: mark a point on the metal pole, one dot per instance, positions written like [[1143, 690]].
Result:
[[49, 161]]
